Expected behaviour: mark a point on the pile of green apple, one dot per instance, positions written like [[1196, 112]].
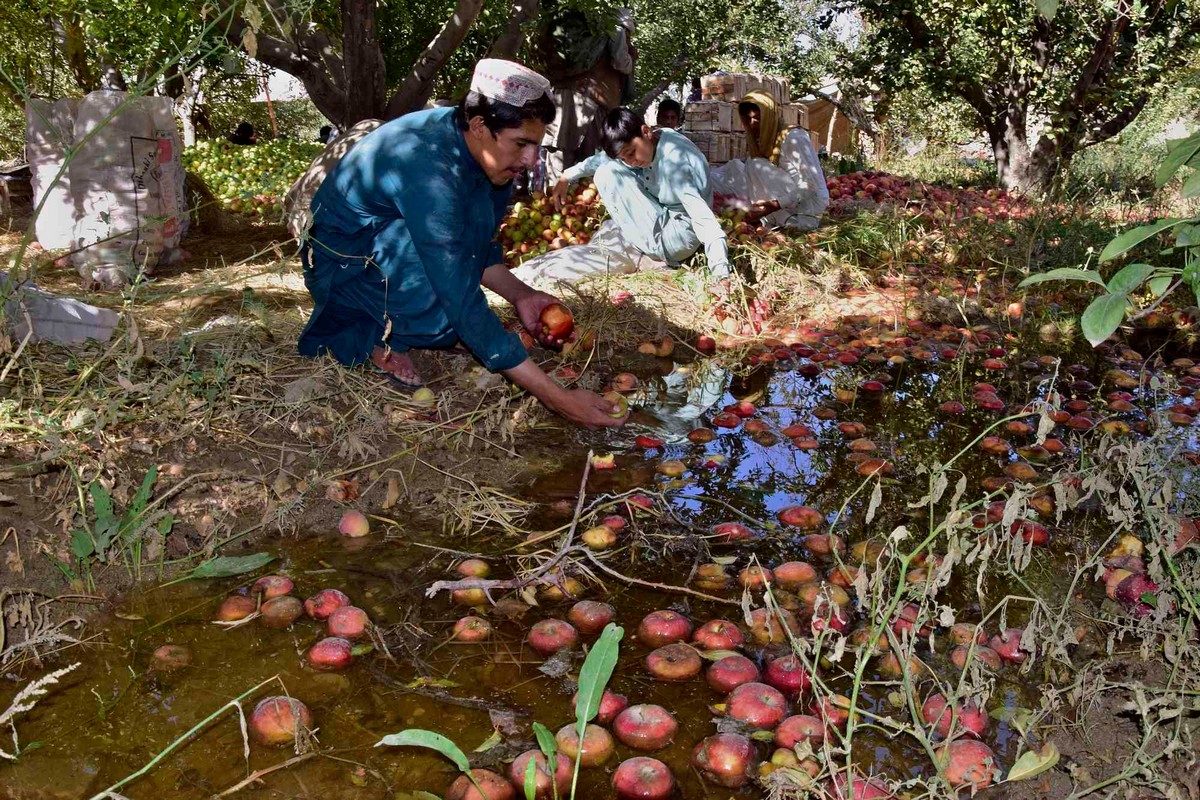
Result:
[[534, 226], [250, 179]]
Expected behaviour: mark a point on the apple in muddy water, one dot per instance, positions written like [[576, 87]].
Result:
[[701, 436], [281, 612], [620, 406], [791, 575], [788, 675], [964, 632], [235, 607], [643, 442], [660, 628], [729, 532], [982, 655], [493, 786], [597, 744], [802, 517], [611, 704], [170, 657], [551, 635], [674, 663], [348, 622], [718, 634], [600, 537], [277, 720], [971, 720], [672, 468], [767, 627], [590, 616], [645, 727], [354, 524], [728, 673], [643, 778], [545, 785], [330, 654], [1132, 591], [967, 762], [272, 586], [846, 788], [726, 420], [557, 322], [757, 705], [1007, 645], [834, 710], [472, 629], [799, 728], [726, 759], [711, 577], [754, 577], [473, 568], [324, 603], [624, 382]]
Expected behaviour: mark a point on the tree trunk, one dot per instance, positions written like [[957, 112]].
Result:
[[508, 43], [414, 92], [71, 41], [366, 76], [1021, 168]]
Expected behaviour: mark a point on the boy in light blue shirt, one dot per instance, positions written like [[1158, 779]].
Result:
[[655, 185]]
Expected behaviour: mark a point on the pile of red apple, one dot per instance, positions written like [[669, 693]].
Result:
[[535, 227], [848, 193]]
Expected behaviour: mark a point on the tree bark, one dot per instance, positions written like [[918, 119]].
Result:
[[69, 35], [417, 86], [508, 43], [366, 75], [679, 67]]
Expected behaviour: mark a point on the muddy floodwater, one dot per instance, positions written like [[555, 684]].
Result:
[[117, 711]]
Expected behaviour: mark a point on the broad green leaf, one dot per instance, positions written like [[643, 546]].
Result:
[[82, 545], [1034, 763], [105, 529], [1135, 236], [530, 782], [546, 741], [228, 566], [717, 655], [1159, 285], [416, 737], [596, 671], [1063, 274], [1047, 8], [1188, 235], [1191, 187], [137, 506], [1129, 277], [490, 742], [1103, 316], [1178, 154]]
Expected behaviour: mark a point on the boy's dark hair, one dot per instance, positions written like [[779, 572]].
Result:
[[670, 104], [621, 127], [746, 106], [498, 115], [244, 129]]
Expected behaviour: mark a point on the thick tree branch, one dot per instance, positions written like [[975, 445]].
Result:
[[1115, 124], [70, 38], [679, 65], [508, 43], [414, 91]]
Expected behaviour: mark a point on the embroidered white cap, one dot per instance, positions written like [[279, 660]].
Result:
[[508, 82]]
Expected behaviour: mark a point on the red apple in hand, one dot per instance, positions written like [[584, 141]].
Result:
[[557, 322]]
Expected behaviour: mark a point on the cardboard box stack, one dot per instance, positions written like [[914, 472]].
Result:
[[713, 123]]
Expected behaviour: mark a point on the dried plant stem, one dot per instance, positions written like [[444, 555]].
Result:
[[258, 774], [661, 587]]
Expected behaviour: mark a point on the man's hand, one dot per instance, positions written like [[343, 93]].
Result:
[[529, 309], [561, 191], [587, 409]]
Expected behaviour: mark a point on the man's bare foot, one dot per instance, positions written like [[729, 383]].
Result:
[[398, 365]]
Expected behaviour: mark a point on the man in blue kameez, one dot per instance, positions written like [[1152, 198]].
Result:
[[402, 242], [655, 185]]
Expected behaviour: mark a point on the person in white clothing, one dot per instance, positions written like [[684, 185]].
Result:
[[781, 179]]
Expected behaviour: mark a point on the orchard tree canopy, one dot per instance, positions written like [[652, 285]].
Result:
[[1045, 79]]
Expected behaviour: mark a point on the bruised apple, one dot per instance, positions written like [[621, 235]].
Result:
[[277, 720], [557, 322]]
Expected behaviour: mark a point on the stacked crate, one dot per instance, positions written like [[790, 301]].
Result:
[[713, 123]]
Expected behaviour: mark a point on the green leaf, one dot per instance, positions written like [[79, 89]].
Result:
[[106, 526], [1032, 764], [416, 737], [137, 506], [1103, 316], [82, 545], [1188, 235], [717, 655], [530, 782], [1047, 8], [596, 671], [1129, 277], [228, 566], [1150, 599], [1178, 154], [1063, 274], [1159, 285], [1135, 236], [1191, 187], [546, 741], [489, 742]]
